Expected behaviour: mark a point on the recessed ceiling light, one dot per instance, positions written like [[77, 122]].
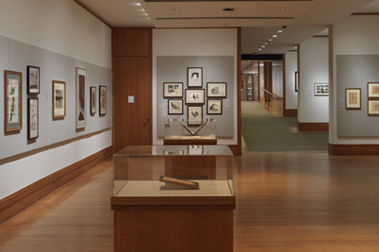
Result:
[[138, 4], [270, 39], [274, 36], [263, 46], [282, 9], [228, 9], [259, 49], [266, 43], [280, 31]]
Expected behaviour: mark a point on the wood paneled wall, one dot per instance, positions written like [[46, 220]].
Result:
[[132, 77]]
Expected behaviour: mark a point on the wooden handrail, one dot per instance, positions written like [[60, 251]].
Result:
[[271, 94]]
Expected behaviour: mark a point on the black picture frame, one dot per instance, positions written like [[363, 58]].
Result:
[[30, 72], [194, 103], [30, 137], [296, 81], [102, 102], [168, 107], [215, 113], [190, 83], [92, 92], [165, 88], [321, 93], [217, 96], [188, 120]]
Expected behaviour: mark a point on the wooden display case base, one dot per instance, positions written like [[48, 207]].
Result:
[[190, 140], [173, 229]]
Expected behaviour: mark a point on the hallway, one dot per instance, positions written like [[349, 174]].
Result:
[[265, 132]]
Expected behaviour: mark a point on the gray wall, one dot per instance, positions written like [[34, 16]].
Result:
[[215, 69], [355, 71], [16, 56]]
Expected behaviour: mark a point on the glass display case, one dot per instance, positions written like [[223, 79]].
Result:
[[138, 170], [173, 198], [178, 132]]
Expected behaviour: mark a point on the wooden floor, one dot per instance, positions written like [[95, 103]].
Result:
[[290, 201]]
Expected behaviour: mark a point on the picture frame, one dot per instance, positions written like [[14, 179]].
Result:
[[12, 102], [194, 150], [214, 106], [59, 100], [81, 98], [296, 81], [194, 77], [92, 100], [353, 99], [373, 107], [373, 90], [33, 79], [175, 106], [102, 100], [173, 90], [216, 89], [33, 118], [321, 89], [194, 115], [195, 96], [173, 152]]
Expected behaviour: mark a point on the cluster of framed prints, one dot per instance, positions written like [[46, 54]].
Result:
[[321, 89], [353, 99], [13, 100], [194, 96]]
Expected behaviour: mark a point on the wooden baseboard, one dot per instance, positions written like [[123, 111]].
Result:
[[290, 112], [236, 149], [353, 149], [20, 200], [313, 126]]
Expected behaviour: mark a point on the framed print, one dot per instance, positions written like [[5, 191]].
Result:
[[33, 79], [296, 81], [102, 100], [216, 89], [172, 89], [173, 152], [249, 87], [81, 83], [33, 118], [175, 107], [321, 89], [373, 90], [194, 77], [195, 96], [214, 107], [12, 102], [195, 150], [92, 100], [59, 100], [353, 98], [373, 107], [194, 115]]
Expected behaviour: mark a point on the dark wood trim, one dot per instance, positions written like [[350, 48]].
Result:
[[190, 142], [353, 149], [313, 126], [92, 13], [365, 14], [236, 149], [22, 199], [320, 36], [290, 112], [284, 83], [150, 113], [48, 147], [237, 152]]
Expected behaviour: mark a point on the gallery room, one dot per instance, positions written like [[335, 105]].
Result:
[[189, 125]]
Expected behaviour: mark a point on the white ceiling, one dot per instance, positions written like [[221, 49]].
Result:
[[259, 19]]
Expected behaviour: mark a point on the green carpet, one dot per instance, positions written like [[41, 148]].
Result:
[[264, 132]]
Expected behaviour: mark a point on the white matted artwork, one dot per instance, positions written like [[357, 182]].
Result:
[[81, 98], [32, 118], [195, 96], [373, 107], [194, 77], [321, 89], [194, 115], [214, 107], [59, 99], [173, 89], [175, 107], [216, 89], [353, 98], [195, 150], [373, 90]]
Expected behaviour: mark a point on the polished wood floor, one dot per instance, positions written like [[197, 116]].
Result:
[[290, 201]]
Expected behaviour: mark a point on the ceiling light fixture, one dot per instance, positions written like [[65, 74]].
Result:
[[138, 4], [274, 36], [259, 49], [263, 46], [280, 31], [266, 43], [270, 39]]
